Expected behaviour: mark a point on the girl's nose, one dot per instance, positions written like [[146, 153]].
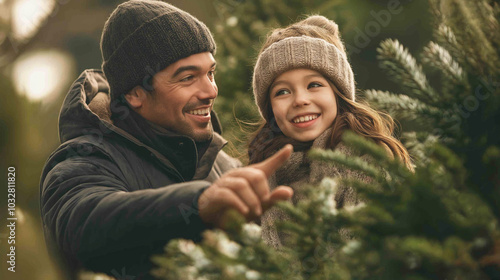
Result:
[[301, 99]]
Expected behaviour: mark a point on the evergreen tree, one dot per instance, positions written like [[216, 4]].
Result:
[[439, 222]]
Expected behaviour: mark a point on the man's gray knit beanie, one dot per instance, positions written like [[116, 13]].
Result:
[[142, 37]]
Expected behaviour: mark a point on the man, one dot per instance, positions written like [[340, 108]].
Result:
[[141, 160]]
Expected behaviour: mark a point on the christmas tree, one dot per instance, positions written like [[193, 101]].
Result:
[[440, 221]]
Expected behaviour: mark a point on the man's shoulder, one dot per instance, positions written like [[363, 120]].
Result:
[[227, 162], [90, 155], [89, 148], [88, 144]]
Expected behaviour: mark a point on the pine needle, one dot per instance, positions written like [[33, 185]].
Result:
[[354, 163], [439, 58], [446, 38], [403, 106], [403, 67]]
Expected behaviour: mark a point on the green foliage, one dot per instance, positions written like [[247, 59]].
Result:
[[463, 112], [440, 221], [402, 67], [238, 254], [422, 225], [401, 106]]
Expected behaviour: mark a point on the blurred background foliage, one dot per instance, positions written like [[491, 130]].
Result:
[[45, 44]]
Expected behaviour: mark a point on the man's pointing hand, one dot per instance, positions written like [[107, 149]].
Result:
[[245, 190]]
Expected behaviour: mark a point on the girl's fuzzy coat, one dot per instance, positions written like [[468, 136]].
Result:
[[298, 172]]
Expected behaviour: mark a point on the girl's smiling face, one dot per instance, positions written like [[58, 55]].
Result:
[[303, 103]]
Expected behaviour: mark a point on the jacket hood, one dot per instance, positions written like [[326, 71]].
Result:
[[76, 117], [87, 108]]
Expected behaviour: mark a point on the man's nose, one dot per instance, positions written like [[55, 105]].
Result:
[[208, 89]]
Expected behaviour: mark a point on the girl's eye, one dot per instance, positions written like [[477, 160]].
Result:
[[314, 84], [282, 92]]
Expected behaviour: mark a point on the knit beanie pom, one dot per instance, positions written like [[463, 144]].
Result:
[[329, 25], [301, 52]]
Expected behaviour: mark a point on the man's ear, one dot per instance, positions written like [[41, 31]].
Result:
[[136, 97]]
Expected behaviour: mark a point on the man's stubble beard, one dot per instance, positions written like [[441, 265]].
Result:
[[200, 137]]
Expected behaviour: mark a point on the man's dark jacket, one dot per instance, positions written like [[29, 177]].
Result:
[[109, 201]]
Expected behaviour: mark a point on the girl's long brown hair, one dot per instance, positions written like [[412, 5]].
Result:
[[357, 116]]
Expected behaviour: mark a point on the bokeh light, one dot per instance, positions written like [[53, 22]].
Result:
[[28, 15], [42, 75]]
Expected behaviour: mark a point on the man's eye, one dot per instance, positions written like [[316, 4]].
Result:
[[282, 92], [314, 84], [211, 74], [187, 78]]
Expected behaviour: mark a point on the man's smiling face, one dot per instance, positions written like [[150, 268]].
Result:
[[183, 96]]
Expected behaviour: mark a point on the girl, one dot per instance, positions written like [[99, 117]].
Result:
[[304, 88]]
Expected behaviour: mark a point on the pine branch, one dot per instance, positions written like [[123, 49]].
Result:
[[356, 163], [480, 52], [439, 58], [379, 154], [403, 68], [368, 191], [446, 38], [490, 15], [403, 106], [364, 146], [292, 211], [419, 145]]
